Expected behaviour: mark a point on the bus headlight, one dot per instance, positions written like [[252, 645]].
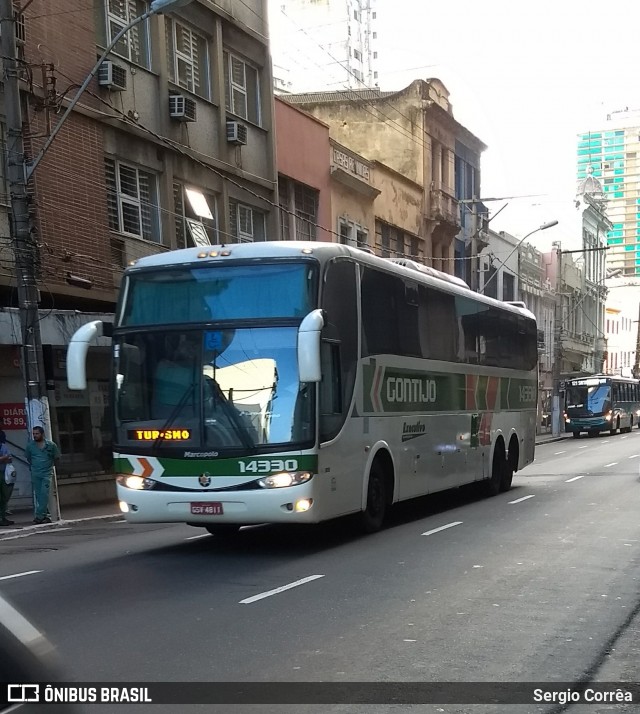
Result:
[[284, 479], [135, 483], [608, 416]]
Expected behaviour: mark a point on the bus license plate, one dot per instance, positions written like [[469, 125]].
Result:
[[207, 509]]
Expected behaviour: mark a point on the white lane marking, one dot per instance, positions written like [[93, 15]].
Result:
[[253, 598], [524, 498], [206, 535], [20, 575], [124, 520], [613, 463], [559, 452], [442, 528], [583, 447], [635, 456], [575, 478]]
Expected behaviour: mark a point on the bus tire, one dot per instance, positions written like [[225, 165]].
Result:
[[223, 530], [511, 464], [492, 486], [576, 434], [372, 518]]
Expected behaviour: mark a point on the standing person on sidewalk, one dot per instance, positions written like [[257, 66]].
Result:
[[6, 489], [41, 455]]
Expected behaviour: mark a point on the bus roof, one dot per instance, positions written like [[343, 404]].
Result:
[[581, 381], [217, 254]]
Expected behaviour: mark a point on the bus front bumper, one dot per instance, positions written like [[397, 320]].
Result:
[[587, 424], [294, 504]]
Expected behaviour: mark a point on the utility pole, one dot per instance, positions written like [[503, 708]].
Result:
[[24, 244]]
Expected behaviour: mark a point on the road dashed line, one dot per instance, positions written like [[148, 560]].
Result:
[[442, 528], [20, 575], [524, 498], [281, 589]]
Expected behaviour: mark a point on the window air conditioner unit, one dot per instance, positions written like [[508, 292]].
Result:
[[112, 76], [236, 132], [182, 108]]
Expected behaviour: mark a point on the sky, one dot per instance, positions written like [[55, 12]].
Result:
[[524, 77]]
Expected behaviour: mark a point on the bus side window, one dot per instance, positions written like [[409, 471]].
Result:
[[331, 385], [339, 347]]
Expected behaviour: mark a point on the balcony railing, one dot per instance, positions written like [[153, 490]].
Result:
[[444, 207]]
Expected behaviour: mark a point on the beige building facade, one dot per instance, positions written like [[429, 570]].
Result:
[[352, 196], [413, 132], [398, 214]]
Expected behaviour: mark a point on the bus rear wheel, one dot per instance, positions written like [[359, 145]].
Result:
[[372, 518], [499, 466]]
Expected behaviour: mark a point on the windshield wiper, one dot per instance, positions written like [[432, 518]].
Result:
[[233, 416], [174, 413]]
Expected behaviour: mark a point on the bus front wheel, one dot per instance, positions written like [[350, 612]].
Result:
[[373, 515], [576, 434]]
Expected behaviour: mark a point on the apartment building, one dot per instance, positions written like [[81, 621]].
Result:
[[172, 145], [610, 152], [323, 44], [413, 132]]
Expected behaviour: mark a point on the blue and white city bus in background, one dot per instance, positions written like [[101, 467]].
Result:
[[601, 402], [291, 382]]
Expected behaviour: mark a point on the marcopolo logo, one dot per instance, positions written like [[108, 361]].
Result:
[[413, 431]]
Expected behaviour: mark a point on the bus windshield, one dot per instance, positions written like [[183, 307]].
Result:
[[180, 295], [589, 401], [211, 389]]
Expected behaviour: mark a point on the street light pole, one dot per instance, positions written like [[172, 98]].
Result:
[[19, 172], [543, 227]]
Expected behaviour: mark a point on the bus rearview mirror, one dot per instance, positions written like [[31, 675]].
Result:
[[309, 332]]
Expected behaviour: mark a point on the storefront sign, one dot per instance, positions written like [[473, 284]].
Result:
[[351, 164], [13, 416]]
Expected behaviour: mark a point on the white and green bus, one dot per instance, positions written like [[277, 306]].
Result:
[[287, 382]]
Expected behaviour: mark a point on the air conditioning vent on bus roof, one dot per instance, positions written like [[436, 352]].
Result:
[[112, 76], [429, 271], [516, 303]]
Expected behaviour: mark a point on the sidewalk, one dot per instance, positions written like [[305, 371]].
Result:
[[546, 438], [69, 514]]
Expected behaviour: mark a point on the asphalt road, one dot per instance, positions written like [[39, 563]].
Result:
[[536, 585]]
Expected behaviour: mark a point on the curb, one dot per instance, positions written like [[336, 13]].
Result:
[[550, 441], [57, 524]]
